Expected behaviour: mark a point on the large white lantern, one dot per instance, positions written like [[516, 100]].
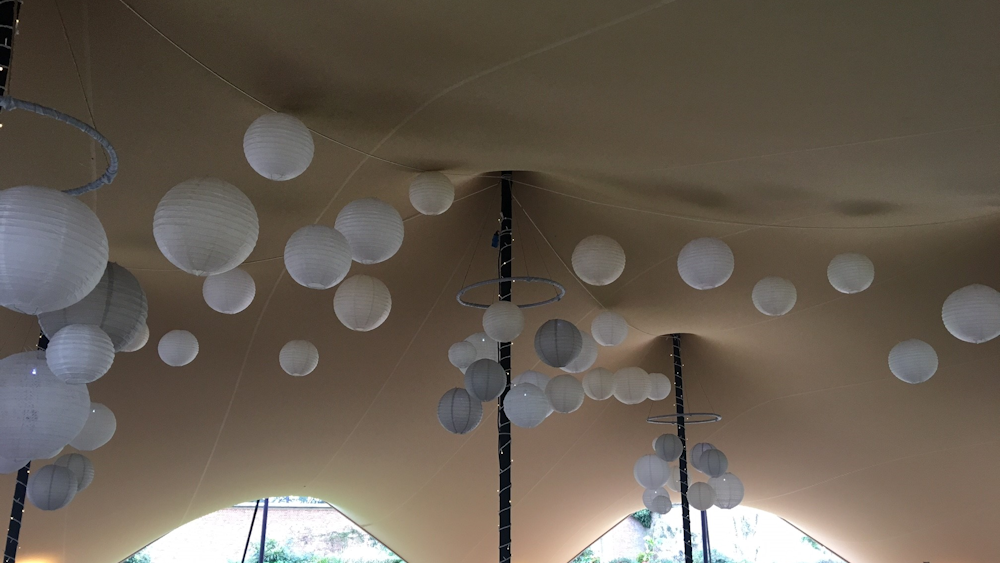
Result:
[[138, 340], [53, 250], [431, 193], [373, 228], [661, 504], [462, 354], [598, 260], [668, 447], [486, 347], [558, 342], [705, 263], [459, 412], [38, 412], [631, 385], [229, 292], [81, 467], [52, 487], [728, 490], [535, 378], [972, 314], [98, 430], [701, 496], [774, 296], [278, 146], [526, 406], [696, 453], [599, 384], [485, 380], [713, 463], [362, 303], [298, 357], [7, 466], [503, 321], [609, 329], [651, 472], [205, 226], [117, 305], [586, 358], [913, 361], [850, 272], [80, 354], [674, 482], [659, 387], [317, 257], [649, 494], [178, 348], [565, 393]]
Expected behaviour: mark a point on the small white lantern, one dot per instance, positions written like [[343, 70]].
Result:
[[462, 354], [609, 329], [565, 393], [696, 453], [503, 321], [850, 272], [278, 146], [139, 339], [661, 505], [631, 385], [598, 260], [701, 496], [51, 237], [485, 380], [972, 314], [558, 342], [7, 466], [362, 303], [774, 296], [98, 430], [713, 463], [52, 487], [317, 257], [526, 406], [649, 494], [298, 357], [913, 361], [459, 412], [81, 467], [431, 193], [586, 358], [373, 228], [80, 354], [674, 482], [651, 472], [659, 387], [668, 447], [178, 348], [599, 384], [486, 347], [229, 292], [539, 380], [728, 490], [705, 263]]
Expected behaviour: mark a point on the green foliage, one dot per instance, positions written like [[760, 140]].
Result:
[[622, 560], [586, 556], [644, 517], [138, 557], [812, 543], [274, 553]]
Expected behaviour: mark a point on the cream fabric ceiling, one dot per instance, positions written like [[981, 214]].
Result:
[[792, 130]]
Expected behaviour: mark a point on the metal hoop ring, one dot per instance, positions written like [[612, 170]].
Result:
[[527, 279], [689, 418]]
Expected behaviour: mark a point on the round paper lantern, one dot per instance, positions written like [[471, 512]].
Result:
[[81, 467], [972, 314], [598, 260], [558, 342], [539, 380], [631, 385], [51, 237], [696, 453], [705, 263], [728, 490], [609, 329], [38, 412], [485, 380], [139, 340], [586, 358], [850, 273], [431, 193], [651, 472], [462, 354], [117, 305], [486, 347], [362, 303], [668, 447], [503, 321], [565, 393], [459, 412], [659, 387], [713, 463], [298, 357], [278, 146], [701, 496], [98, 430], [774, 296], [526, 406], [599, 384], [674, 482], [51, 487], [913, 361], [178, 348], [54, 453], [229, 292], [373, 229], [7, 467], [661, 505], [317, 257], [80, 354], [649, 494]]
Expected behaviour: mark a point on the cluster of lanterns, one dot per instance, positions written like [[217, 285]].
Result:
[[655, 474]]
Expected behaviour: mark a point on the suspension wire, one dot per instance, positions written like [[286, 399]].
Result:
[[682, 435]]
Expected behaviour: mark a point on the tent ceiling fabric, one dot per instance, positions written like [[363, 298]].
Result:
[[793, 130]]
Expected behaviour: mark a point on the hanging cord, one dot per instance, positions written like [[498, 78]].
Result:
[[682, 435], [250, 532]]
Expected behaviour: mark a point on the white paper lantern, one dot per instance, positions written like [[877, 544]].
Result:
[[229, 292], [674, 482], [565, 393], [659, 387], [7, 466], [205, 226], [972, 314], [651, 472], [431, 193], [774, 296], [631, 385], [53, 250], [298, 357], [485, 380], [138, 340], [558, 342], [459, 412], [701, 496], [661, 505], [178, 348], [373, 228], [850, 273], [696, 453], [705, 263], [598, 260], [117, 305], [713, 463], [362, 303], [609, 329], [317, 257], [728, 490], [668, 447], [526, 406], [278, 146], [913, 361], [649, 494], [599, 384], [51, 487], [98, 430], [80, 354], [54, 453], [586, 358], [486, 347], [539, 380], [503, 321], [461, 355], [81, 467]]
